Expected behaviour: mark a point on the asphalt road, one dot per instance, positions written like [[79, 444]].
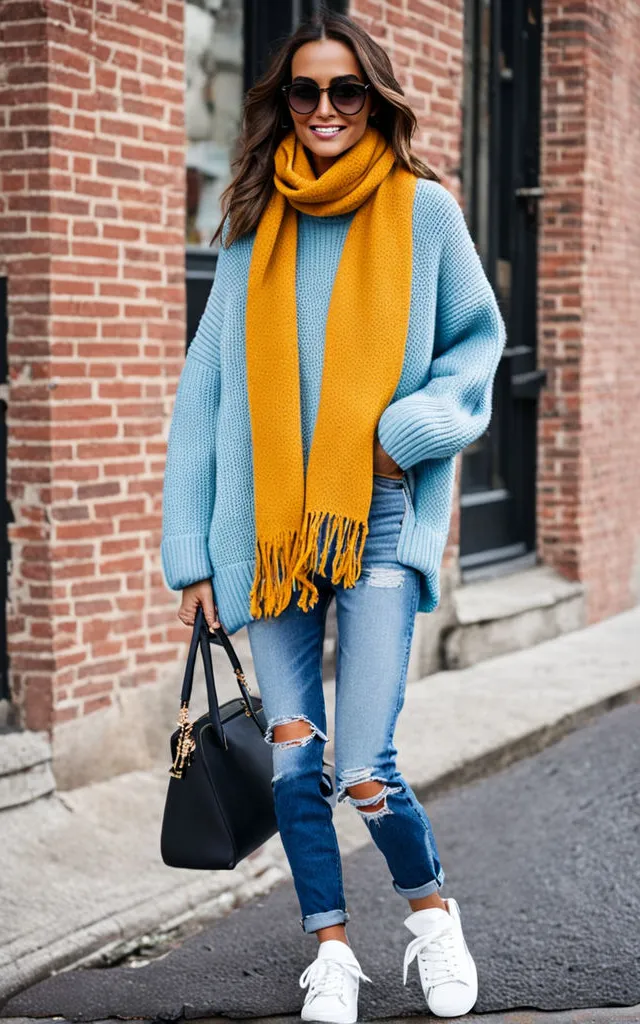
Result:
[[542, 857], [610, 1015]]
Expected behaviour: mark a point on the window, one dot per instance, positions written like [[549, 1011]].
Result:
[[214, 74], [227, 45]]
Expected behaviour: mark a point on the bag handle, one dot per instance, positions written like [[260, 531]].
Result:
[[201, 638]]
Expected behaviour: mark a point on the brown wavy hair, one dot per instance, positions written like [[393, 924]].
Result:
[[245, 198]]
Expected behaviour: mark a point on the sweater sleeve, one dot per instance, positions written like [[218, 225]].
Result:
[[189, 476], [453, 409]]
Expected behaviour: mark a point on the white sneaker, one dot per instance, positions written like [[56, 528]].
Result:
[[333, 980], [447, 971]]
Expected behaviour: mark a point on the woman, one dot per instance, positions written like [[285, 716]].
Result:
[[346, 354]]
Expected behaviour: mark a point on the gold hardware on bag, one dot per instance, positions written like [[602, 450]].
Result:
[[185, 746], [242, 677]]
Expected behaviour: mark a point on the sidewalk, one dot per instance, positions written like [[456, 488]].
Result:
[[82, 870]]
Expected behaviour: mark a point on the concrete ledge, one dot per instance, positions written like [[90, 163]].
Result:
[[7, 715], [25, 768], [503, 596], [509, 613]]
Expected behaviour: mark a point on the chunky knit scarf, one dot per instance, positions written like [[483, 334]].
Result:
[[365, 338]]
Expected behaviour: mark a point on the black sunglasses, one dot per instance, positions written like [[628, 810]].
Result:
[[345, 97]]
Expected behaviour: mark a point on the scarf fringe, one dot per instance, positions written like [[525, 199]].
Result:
[[288, 562], [271, 589]]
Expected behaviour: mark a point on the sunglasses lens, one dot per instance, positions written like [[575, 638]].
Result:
[[347, 98], [303, 98]]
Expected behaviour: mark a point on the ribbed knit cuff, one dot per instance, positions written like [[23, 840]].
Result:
[[416, 428], [185, 560], [395, 436]]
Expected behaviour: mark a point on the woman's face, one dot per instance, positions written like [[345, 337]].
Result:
[[324, 61]]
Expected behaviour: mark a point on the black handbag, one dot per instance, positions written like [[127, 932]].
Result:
[[219, 806]]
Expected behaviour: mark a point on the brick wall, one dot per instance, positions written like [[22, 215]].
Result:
[[92, 167], [424, 39], [589, 485], [610, 550], [561, 257]]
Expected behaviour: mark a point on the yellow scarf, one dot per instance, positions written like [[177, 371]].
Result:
[[365, 339]]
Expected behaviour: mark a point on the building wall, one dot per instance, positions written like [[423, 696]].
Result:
[[92, 165], [92, 218], [589, 484]]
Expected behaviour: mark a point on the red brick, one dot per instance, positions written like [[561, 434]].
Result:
[[579, 473], [79, 188]]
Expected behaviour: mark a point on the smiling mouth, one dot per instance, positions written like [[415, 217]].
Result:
[[329, 132]]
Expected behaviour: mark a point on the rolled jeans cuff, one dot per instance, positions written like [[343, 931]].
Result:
[[422, 890], [312, 922]]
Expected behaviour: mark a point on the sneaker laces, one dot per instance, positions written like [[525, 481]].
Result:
[[437, 952], [325, 977]]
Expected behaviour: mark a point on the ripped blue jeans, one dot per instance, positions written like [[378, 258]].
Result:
[[375, 620]]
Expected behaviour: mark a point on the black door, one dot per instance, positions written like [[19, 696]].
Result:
[[501, 187], [265, 26]]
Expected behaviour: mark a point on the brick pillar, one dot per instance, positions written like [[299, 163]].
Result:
[[25, 259], [424, 39], [561, 258], [589, 488], [93, 217]]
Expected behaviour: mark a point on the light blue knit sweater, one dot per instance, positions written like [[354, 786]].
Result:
[[442, 403]]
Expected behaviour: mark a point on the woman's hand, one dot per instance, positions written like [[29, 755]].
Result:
[[200, 593], [383, 463]]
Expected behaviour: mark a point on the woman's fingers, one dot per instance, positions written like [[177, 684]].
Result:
[[187, 613], [195, 595], [209, 609]]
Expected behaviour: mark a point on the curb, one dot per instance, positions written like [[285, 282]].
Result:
[[110, 933], [524, 746]]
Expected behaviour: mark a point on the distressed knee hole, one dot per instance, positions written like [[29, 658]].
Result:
[[382, 577], [367, 793], [292, 732], [370, 796]]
